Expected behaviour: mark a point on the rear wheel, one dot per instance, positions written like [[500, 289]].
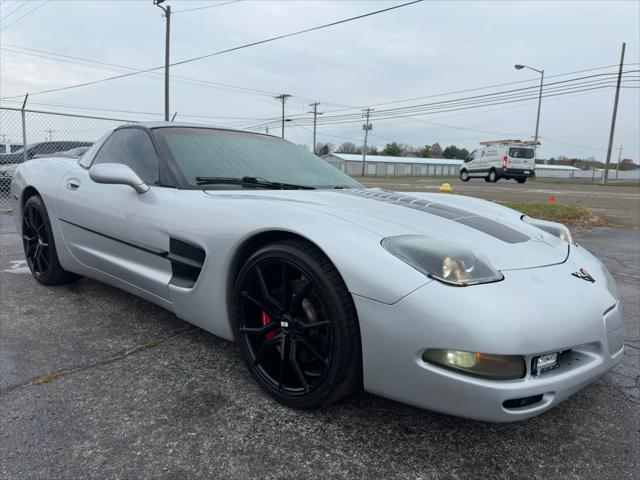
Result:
[[296, 325], [464, 175], [493, 176], [39, 245], [521, 180]]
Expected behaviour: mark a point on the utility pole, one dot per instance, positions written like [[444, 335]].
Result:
[[619, 157], [314, 105], [167, 15], [283, 98], [50, 132], [266, 129], [366, 127], [605, 177]]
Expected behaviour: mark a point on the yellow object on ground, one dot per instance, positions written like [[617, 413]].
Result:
[[445, 188]]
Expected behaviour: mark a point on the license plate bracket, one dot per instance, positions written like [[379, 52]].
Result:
[[545, 362]]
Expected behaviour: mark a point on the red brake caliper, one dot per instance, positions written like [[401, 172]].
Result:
[[266, 319]]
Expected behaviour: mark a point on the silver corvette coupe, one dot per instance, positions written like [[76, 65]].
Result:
[[440, 301]]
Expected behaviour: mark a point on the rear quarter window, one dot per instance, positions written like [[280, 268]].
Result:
[[515, 152]]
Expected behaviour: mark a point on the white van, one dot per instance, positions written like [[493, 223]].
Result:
[[500, 159]]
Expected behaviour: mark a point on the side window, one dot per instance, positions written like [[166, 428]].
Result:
[[132, 147], [471, 156]]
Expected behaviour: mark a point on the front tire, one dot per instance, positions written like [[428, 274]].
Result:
[[297, 326], [39, 245], [521, 180], [464, 175]]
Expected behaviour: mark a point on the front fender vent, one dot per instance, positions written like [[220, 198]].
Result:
[[186, 263]]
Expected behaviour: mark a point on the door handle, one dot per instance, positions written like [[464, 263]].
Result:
[[73, 183]]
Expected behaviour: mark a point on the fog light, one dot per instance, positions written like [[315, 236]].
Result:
[[484, 365]]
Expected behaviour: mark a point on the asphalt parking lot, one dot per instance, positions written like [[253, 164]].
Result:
[[616, 204], [123, 389]]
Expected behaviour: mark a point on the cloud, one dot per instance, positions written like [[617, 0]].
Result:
[[421, 50]]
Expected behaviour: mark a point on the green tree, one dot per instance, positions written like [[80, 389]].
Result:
[[424, 152], [392, 149], [462, 153], [450, 152]]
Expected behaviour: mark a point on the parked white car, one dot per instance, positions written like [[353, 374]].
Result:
[[509, 159]]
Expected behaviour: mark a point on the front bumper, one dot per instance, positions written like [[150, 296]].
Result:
[[531, 312]]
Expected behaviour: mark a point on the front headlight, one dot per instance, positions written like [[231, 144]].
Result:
[[484, 365], [448, 263], [554, 228]]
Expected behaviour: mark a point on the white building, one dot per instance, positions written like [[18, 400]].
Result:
[[386, 166]]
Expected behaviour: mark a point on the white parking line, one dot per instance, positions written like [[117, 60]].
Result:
[[18, 266]]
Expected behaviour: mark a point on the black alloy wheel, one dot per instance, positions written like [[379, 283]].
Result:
[[39, 245], [296, 325], [36, 241]]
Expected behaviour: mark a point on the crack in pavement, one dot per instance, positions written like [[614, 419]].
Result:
[[49, 377]]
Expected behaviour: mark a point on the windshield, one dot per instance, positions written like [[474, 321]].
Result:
[[521, 152], [203, 152]]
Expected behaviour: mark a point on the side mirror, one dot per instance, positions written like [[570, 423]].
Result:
[[118, 174]]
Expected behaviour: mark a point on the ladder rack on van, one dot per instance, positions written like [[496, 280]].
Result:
[[527, 143]]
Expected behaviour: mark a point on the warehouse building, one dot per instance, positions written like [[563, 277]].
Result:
[[386, 166]]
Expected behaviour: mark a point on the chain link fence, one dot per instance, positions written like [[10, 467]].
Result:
[[44, 134]]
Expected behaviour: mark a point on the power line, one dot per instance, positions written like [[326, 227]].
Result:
[[20, 5], [481, 88], [205, 7], [342, 122], [228, 50], [498, 95], [506, 94], [25, 15], [455, 127], [74, 60], [78, 61], [495, 98], [113, 110]]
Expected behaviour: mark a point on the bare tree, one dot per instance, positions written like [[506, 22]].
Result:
[[347, 147], [436, 150]]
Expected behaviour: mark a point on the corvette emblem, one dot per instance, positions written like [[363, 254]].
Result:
[[584, 275]]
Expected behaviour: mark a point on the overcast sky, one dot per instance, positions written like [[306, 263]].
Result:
[[420, 50]]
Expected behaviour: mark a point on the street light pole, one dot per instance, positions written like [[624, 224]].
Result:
[[167, 15], [535, 139], [541, 72]]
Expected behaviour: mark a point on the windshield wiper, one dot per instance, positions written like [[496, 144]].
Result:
[[251, 182]]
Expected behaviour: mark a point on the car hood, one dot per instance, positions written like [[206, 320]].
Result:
[[485, 227]]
